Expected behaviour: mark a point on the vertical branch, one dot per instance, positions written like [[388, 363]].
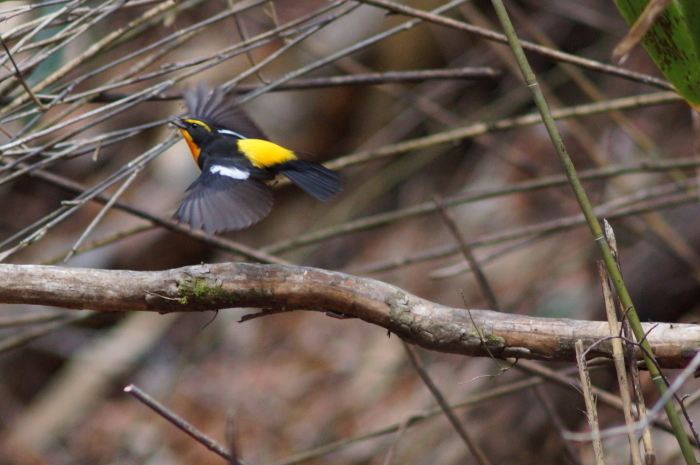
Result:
[[630, 357], [590, 403], [619, 361], [596, 230]]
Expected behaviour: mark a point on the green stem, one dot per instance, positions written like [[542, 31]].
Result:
[[594, 226]]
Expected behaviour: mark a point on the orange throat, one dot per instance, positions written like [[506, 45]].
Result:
[[190, 143]]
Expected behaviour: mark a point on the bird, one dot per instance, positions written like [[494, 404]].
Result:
[[237, 163]]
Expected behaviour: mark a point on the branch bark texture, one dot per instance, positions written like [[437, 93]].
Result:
[[279, 288]]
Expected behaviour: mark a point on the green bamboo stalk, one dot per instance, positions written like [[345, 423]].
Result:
[[594, 226]]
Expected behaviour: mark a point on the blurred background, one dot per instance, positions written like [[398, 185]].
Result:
[[109, 73]]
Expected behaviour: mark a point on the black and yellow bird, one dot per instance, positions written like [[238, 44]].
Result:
[[237, 162]]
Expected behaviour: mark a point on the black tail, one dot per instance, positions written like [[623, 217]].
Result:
[[314, 178]]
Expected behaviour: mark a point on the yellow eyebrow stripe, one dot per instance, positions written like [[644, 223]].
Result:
[[196, 121], [262, 153]]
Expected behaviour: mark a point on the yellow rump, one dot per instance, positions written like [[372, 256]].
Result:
[[262, 153]]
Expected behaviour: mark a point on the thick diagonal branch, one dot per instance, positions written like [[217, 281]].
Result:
[[286, 288]]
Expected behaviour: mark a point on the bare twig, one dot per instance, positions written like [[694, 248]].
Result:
[[102, 213], [640, 27], [653, 412], [21, 320], [231, 440], [466, 437], [619, 359], [23, 337], [629, 358], [391, 453], [529, 46], [180, 423], [484, 284], [20, 78], [569, 449], [591, 408]]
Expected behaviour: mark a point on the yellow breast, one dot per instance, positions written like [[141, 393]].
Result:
[[262, 153]]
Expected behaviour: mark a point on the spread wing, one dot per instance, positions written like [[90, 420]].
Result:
[[225, 198], [221, 111]]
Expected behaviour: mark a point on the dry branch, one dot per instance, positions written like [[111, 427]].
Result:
[[278, 288]]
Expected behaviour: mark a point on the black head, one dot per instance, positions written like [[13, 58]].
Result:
[[195, 130], [197, 134], [220, 112]]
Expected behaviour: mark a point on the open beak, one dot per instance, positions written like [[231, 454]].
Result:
[[178, 122]]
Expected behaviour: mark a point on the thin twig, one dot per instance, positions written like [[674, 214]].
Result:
[[231, 440], [391, 453], [471, 195], [380, 78], [592, 222], [481, 279], [471, 444], [242, 34], [619, 360], [180, 423], [21, 320], [672, 390], [629, 356], [569, 449], [640, 27], [216, 241], [414, 419], [591, 409], [346, 51], [20, 78], [23, 337], [547, 227], [435, 18], [603, 396], [103, 212]]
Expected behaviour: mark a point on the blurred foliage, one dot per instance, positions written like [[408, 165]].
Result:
[[673, 42]]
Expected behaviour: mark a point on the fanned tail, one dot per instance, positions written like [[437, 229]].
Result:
[[315, 179]]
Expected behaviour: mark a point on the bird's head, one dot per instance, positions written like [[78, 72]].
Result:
[[197, 133]]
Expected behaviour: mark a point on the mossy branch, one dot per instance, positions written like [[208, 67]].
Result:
[[279, 288]]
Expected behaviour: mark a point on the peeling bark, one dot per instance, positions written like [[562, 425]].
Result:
[[278, 288]]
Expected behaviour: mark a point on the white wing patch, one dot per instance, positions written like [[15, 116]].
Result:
[[234, 173], [230, 133]]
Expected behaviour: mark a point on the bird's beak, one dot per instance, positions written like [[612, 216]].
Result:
[[178, 122]]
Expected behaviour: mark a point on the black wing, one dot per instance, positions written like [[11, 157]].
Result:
[[221, 111], [216, 202], [314, 178]]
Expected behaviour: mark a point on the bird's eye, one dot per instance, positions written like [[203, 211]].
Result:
[[194, 124]]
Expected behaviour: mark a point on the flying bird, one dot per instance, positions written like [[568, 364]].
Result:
[[237, 163]]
